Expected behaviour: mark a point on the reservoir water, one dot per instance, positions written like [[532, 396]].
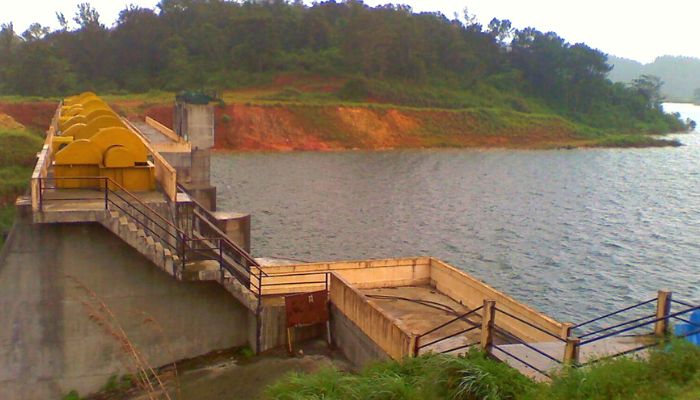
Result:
[[575, 233]]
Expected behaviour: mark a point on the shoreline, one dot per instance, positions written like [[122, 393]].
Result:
[[250, 127], [582, 145]]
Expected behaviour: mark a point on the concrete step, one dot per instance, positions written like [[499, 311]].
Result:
[[139, 239]]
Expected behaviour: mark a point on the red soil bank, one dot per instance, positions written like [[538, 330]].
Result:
[[35, 115]]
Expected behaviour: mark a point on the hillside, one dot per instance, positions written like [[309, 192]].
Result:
[[498, 77], [309, 112], [681, 75], [17, 152]]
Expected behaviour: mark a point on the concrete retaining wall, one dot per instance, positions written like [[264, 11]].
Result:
[[48, 343], [390, 335], [357, 347]]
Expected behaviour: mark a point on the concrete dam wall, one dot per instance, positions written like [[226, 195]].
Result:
[[51, 342]]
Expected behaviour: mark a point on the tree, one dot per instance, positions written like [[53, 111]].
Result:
[[35, 32], [87, 17], [62, 21], [501, 30], [649, 87], [8, 46]]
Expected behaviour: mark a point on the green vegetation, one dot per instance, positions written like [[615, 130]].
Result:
[[672, 372], [680, 74], [635, 141], [426, 377], [385, 54], [72, 395], [17, 156], [246, 353]]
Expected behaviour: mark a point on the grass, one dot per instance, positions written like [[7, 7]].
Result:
[[17, 154], [670, 372], [634, 140], [429, 377]]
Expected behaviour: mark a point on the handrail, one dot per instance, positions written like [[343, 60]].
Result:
[[617, 325], [464, 346], [168, 222], [145, 215], [530, 324], [524, 343], [683, 303], [646, 346], [105, 183], [183, 239], [665, 317], [244, 254], [146, 228], [521, 360], [614, 313], [463, 331], [211, 222], [622, 353], [451, 321], [325, 281]]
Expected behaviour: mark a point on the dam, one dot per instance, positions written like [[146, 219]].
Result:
[[119, 259]]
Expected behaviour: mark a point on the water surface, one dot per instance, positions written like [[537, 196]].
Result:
[[574, 233]]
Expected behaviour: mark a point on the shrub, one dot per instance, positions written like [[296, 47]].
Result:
[[18, 148], [354, 90]]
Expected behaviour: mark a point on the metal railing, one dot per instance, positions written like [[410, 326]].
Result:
[[654, 321], [299, 285], [195, 246], [660, 320], [609, 315], [110, 195], [462, 317], [199, 222], [513, 339]]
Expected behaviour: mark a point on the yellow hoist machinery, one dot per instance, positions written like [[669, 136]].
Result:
[[93, 141]]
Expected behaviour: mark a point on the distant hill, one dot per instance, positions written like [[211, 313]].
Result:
[[680, 74]]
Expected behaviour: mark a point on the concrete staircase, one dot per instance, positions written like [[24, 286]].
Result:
[[145, 244], [160, 254]]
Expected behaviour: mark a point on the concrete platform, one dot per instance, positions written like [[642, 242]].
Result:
[[422, 308], [589, 352], [62, 200]]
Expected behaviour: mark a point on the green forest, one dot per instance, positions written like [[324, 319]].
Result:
[[387, 53], [681, 75]]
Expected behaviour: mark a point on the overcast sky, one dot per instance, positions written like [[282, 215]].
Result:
[[636, 29]]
